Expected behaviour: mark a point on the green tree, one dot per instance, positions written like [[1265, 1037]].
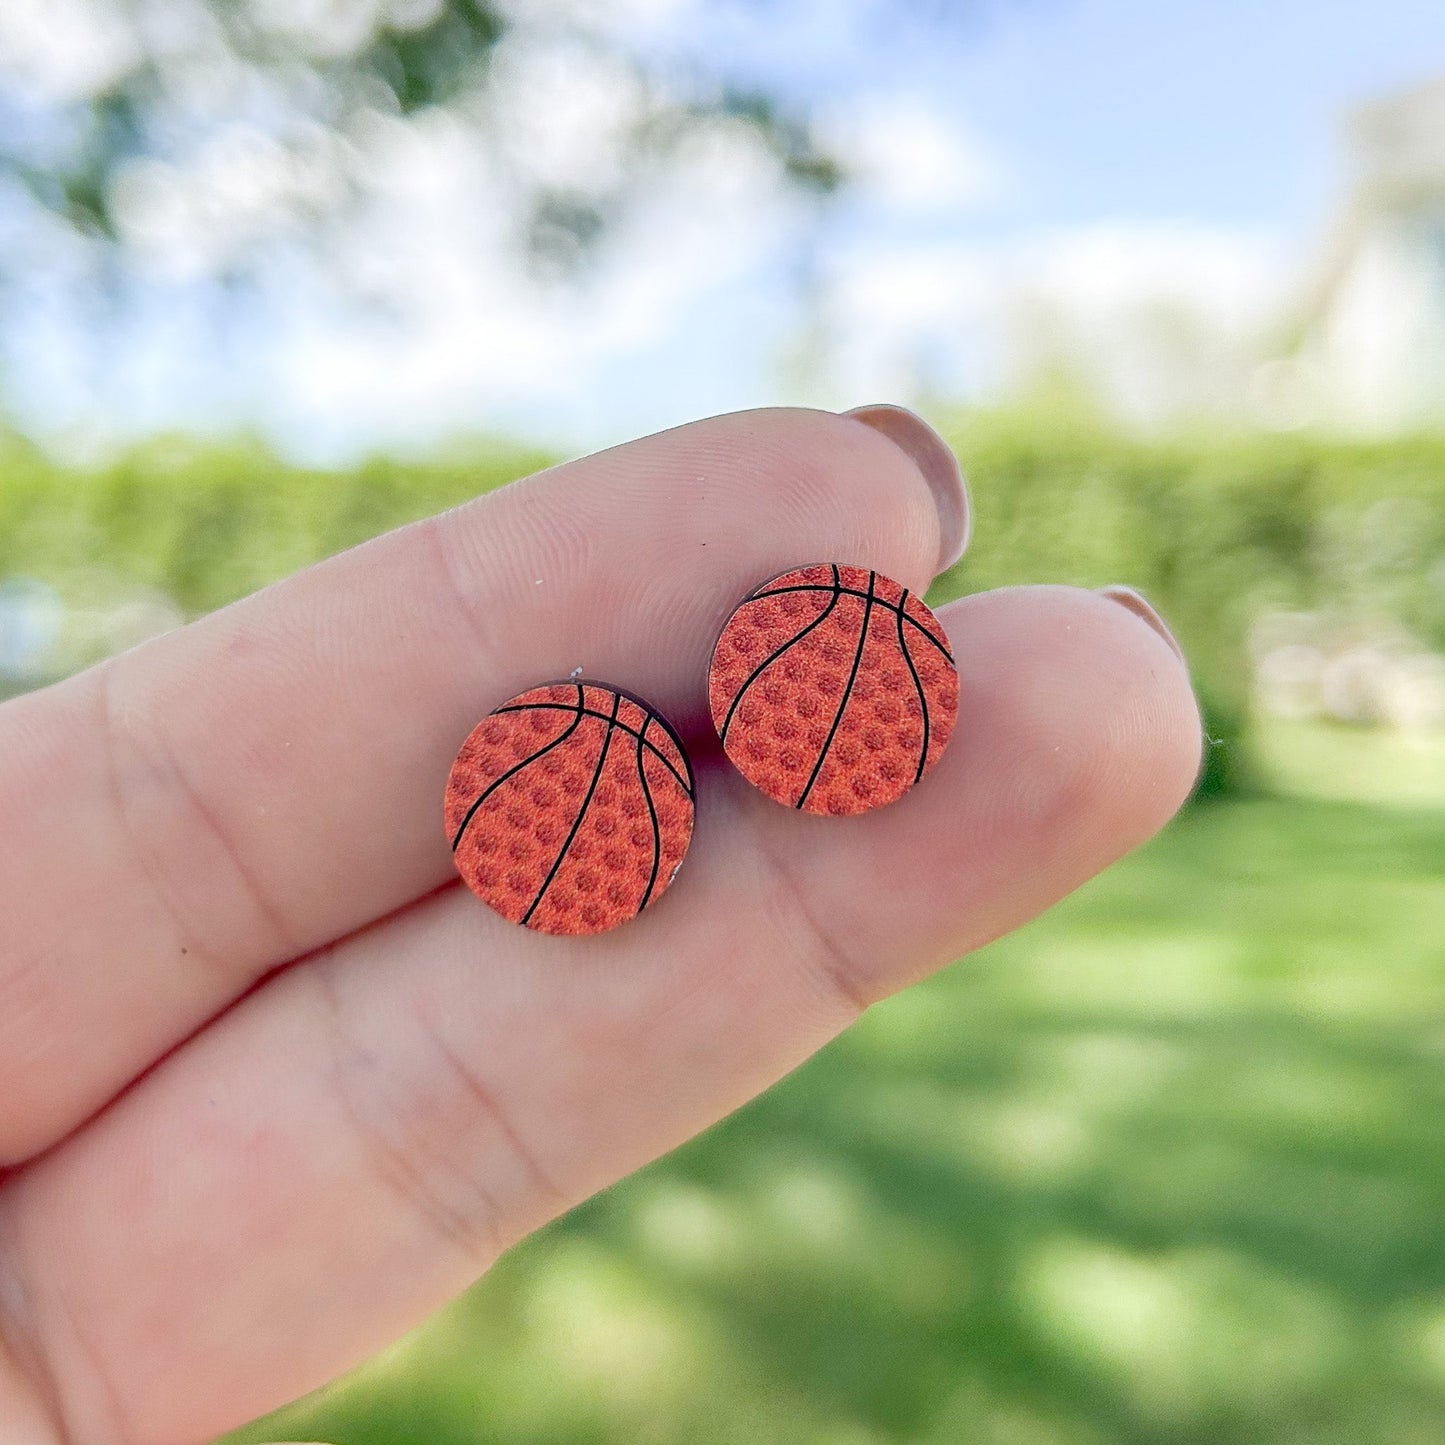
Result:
[[112, 111]]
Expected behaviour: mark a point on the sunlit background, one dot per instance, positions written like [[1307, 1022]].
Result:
[[1166, 1168]]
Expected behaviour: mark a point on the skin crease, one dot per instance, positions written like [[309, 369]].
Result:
[[250, 1012]]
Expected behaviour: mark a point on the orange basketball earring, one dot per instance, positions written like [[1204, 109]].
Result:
[[833, 689], [569, 808]]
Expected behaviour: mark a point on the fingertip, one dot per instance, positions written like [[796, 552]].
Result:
[[1103, 707], [938, 466], [1134, 601], [1167, 734]]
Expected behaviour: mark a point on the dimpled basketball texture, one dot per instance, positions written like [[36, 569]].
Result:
[[569, 808], [833, 689]]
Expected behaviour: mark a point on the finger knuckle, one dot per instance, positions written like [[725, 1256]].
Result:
[[432, 1131], [839, 970], [181, 843]]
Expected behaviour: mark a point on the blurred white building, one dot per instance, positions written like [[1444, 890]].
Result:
[[1168, 325], [1366, 350]]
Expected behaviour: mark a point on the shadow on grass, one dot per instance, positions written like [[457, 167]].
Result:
[[1168, 1166]]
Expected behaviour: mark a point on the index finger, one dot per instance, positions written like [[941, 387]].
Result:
[[187, 817]]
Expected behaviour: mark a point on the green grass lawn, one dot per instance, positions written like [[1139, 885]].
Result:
[[1166, 1167]]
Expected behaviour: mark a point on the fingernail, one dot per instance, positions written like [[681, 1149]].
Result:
[[1136, 603], [935, 459]]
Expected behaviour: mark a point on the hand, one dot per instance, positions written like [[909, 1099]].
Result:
[[274, 1084]]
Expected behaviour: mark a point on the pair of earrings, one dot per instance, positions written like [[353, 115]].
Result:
[[570, 808]]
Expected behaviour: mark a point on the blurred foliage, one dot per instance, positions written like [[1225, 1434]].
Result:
[[1162, 1169], [206, 524], [183, 83], [1215, 531]]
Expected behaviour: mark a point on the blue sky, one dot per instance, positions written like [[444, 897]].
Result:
[[1225, 111], [1219, 109], [1082, 140]]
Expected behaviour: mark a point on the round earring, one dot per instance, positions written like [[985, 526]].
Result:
[[833, 689], [570, 807]]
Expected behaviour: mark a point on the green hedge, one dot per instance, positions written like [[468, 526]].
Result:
[[1214, 530], [207, 524]]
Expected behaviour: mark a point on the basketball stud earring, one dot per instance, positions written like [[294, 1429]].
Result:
[[569, 808], [833, 689]]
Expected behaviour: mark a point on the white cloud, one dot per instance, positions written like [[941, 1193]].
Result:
[[60, 50], [1227, 276], [563, 111], [909, 158], [969, 317]]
